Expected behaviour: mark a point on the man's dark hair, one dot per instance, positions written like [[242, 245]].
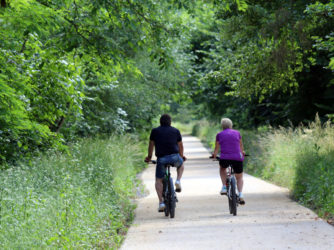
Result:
[[165, 120]]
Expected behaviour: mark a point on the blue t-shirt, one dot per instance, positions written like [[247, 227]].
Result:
[[166, 140]]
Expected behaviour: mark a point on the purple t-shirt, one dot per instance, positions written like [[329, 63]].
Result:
[[229, 141]]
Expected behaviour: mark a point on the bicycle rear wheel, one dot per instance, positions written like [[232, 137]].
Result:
[[172, 200], [229, 196], [165, 197], [233, 197]]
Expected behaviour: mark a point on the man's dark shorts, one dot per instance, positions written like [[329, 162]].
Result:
[[236, 165], [174, 159]]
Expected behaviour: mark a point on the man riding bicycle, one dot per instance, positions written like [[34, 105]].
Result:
[[231, 153], [168, 145]]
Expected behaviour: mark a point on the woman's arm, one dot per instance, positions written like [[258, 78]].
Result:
[[215, 152], [242, 147]]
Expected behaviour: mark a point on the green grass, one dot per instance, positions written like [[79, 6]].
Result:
[[81, 200], [185, 128], [301, 159], [206, 132]]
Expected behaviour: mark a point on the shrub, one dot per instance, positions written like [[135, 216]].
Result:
[[81, 200]]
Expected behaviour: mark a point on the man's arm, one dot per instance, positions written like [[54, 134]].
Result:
[[180, 144], [150, 151]]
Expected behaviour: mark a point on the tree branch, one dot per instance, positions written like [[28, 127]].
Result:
[[146, 19], [3, 4], [77, 30], [24, 44]]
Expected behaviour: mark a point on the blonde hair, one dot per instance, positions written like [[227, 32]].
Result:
[[226, 123]]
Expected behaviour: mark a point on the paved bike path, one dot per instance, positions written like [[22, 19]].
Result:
[[269, 220]]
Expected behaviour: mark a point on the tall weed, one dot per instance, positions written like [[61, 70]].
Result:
[[206, 131], [301, 159], [80, 200]]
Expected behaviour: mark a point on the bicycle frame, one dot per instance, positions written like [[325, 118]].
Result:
[[231, 186], [168, 193], [231, 191]]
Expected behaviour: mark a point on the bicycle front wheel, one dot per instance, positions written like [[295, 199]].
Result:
[[172, 199], [229, 196], [165, 196], [233, 197]]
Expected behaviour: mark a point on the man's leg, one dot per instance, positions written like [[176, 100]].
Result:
[[179, 172], [159, 188]]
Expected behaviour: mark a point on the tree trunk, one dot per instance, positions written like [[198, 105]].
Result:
[[3, 4]]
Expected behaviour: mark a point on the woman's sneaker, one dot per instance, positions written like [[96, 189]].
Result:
[[161, 207], [178, 186], [242, 201], [223, 191]]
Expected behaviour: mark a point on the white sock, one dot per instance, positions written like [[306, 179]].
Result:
[[240, 195]]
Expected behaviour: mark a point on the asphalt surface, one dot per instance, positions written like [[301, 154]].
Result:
[[269, 220]]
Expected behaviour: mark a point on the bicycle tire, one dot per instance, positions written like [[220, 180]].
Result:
[[229, 197], [165, 197], [172, 201], [233, 197]]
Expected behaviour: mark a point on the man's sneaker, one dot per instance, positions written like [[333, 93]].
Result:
[[177, 186], [161, 207], [241, 201], [223, 190]]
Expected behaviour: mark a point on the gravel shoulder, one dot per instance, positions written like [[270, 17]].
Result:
[[269, 220]]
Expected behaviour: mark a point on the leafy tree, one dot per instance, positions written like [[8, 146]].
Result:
[[268, 57], [80, 67]]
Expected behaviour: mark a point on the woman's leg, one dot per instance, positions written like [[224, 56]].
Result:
[[223, 175], [240, 181]]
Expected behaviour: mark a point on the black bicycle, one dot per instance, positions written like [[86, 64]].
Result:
[[168, 193], [231, 186]]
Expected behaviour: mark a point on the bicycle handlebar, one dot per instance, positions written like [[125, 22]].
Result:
[[151, 161], [155, 162], [218, 158]]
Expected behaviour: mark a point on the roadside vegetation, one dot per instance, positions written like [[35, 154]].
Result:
[[80, 199], [72, 71], [300, 159]]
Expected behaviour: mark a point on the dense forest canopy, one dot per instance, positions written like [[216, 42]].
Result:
[[80, 68], [270, 63]]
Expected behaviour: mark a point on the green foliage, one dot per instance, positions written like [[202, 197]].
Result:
[[207, 132], [265, 64], [79, 68], [322, 19], [299, 159], [80, 200]]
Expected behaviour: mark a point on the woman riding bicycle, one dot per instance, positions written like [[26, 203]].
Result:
[[231, 153]]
